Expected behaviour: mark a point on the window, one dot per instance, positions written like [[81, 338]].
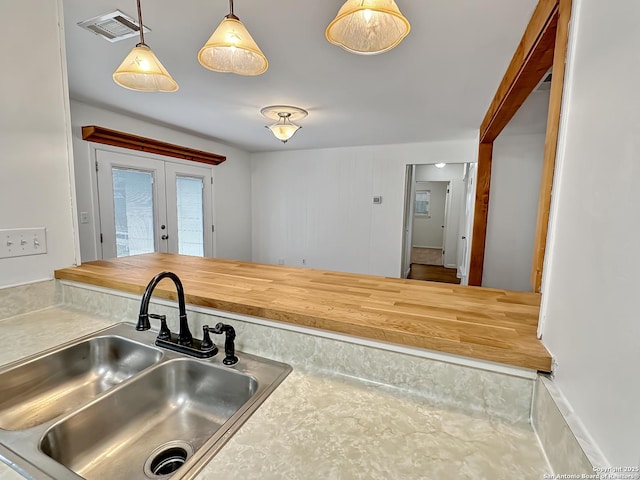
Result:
[[190, 216], [133, 211], [423, 202]]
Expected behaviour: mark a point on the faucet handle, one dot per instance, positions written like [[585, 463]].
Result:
[[164, 333], [206, 343]]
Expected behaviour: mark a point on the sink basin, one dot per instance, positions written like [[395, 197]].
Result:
[[45, 387], [178, 406], [112, 405]]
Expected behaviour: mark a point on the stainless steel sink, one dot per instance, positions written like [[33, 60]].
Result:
[[46, 386], [180, 402], [165, 421]]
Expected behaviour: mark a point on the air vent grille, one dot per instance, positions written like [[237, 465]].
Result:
[[113, 26]]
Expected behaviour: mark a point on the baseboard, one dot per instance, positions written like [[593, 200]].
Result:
[[426, 246], [569, 450], [451, 265]]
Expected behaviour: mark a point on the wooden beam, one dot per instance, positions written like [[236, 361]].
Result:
[[551, 142], [133, 142], [481, 213], [531, 60]]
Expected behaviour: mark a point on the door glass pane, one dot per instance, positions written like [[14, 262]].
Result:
[[133, 211], [190, 216]]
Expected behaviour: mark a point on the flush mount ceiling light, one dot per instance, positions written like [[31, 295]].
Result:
[[440, 165], [368, 27], [141, 70], [283, 129], [231, 49]]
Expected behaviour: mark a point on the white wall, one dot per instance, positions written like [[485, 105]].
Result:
[[453, 173], [590, 282], [317, 204], [231, 180], [427, 229], [513, 208], [35, 185]]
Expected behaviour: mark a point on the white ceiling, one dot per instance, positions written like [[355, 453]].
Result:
[[436, 85]]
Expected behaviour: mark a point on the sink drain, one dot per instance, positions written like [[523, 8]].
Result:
[[167, 458]]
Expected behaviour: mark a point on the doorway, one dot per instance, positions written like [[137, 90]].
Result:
[[150, 205], [436, 222], [429, 223]]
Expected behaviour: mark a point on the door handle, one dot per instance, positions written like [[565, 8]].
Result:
[[164, 237]]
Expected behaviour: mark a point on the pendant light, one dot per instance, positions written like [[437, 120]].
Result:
[[283, 129], [231, 49], [368, 27], [141, 70]]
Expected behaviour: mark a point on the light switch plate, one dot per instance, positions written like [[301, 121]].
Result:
[[18, 242]]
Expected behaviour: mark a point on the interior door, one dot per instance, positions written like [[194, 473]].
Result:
[[465, 235], [132, 205], [445, 225]]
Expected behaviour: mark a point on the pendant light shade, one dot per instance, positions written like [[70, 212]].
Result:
[[231, 49], [141, 70], [368, 27]]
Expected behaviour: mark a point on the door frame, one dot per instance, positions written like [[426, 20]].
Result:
[[407, 230], [543, 46]]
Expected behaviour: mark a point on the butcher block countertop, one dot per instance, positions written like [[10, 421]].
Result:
[[481, 323]]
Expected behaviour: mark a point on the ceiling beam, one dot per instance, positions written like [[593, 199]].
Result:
[[531, 60]]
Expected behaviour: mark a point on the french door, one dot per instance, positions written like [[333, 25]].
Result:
[[148, 205]]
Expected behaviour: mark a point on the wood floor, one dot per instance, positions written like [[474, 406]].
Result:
[[482, 323], [432, 273]]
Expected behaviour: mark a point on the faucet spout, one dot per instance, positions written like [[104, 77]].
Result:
[[184, 337]]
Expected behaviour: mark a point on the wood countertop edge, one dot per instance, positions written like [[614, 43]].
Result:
[[537, 356]]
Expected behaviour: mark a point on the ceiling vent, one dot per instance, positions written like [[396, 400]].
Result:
[[114, 26]]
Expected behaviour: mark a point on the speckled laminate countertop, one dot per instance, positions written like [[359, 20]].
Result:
[[320, 426]]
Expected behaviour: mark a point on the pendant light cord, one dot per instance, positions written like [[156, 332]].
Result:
[[231, 14], [140, 24]]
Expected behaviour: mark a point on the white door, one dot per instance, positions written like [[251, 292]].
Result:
[[189, 209], [132, 205], [464, 249], [150, 205], [445, 226]]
